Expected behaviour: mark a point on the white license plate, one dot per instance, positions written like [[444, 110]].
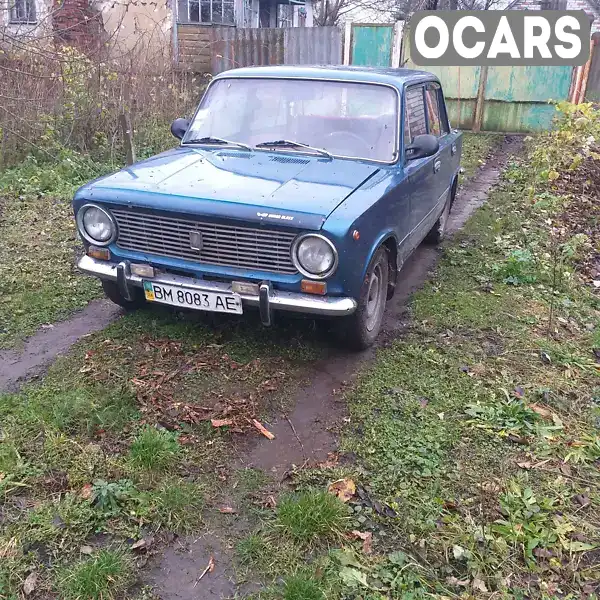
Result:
[[192, 298]]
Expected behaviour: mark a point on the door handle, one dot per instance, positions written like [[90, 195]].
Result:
[[437, 165], [453, 149]]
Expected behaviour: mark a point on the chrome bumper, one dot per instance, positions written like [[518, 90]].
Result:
[[266, 300]]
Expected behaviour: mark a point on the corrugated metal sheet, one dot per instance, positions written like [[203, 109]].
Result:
[[313, 46], [516, 98], [244, 47]]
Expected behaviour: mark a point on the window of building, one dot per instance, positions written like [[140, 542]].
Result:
[[207, 11], [23, 11], [414, 114]]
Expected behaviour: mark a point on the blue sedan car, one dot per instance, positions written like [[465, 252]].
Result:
[[298, 189]]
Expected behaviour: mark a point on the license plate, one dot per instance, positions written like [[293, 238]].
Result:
[[192, 298]]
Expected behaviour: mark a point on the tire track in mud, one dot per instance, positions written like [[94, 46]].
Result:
[[41, 349], [307, 434], [318, 407]]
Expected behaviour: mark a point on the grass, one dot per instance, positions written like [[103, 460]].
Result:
[[101, 577], [300, 587], [474, 437], [311, 516], [476, 149], [38, 244], [116, 441], [154, 449]]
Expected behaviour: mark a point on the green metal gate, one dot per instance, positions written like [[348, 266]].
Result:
[[515, 99], [372, 45]]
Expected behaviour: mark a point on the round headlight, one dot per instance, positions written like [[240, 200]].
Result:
[[315, 256], [96, 225]]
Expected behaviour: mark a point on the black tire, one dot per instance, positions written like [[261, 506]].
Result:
[[438, 231], [359, 330], [111, 291]]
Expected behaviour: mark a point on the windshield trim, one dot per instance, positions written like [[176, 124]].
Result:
[[331, 79]]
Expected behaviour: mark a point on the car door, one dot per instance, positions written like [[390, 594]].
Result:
[[437, 124], [420, 173]]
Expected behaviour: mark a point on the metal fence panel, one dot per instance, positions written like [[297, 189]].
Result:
[[372, 45], [516, 98], [244, 47], [312, 46]]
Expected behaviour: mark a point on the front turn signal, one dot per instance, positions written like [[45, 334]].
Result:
[[99, 253], [313, 287]]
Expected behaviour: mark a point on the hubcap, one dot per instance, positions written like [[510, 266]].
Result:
[[374, 297]]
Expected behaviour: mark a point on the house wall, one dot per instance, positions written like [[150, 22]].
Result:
[[132, 24]]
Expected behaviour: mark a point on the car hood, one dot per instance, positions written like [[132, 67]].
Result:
[[290, 189]]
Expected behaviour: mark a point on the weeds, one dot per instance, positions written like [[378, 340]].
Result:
[[155, 449], [310, 517]]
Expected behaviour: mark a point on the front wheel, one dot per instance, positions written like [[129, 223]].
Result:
[[360, 329], [111, 290]]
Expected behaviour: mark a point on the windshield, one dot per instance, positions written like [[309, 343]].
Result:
[[356, 120]]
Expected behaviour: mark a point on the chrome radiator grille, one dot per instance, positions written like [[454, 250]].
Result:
[[243, 247]]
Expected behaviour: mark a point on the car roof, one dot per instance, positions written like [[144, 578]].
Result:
[[394, 77]]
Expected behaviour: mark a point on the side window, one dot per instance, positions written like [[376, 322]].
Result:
[[436, 117], [433, 109], [414, 114]]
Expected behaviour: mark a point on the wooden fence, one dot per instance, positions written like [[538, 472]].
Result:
[[213, 49]]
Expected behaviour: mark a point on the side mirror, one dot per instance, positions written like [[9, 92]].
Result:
[[422, 146], [179, 127]]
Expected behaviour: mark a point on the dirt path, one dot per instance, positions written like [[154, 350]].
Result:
[[41, 349], [308, 432], [318, 406]]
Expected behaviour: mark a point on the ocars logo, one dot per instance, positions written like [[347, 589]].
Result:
[[500, 38]]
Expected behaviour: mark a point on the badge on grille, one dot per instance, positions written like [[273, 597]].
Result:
[[196, 240]]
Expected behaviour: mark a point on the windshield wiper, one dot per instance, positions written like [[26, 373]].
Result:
[[291, 144], [218, 141]]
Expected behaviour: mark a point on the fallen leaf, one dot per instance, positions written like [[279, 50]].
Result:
[[264, 431], [227, 510], [525, 464], [140, 545], [479, 585], [454, 581], [353, 577], [517, 439], [565, 469], [221, 422], [544, 412], [86, 491], [344, 489], [30, 583], [366, 537], [543, 553], [86, 550]]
